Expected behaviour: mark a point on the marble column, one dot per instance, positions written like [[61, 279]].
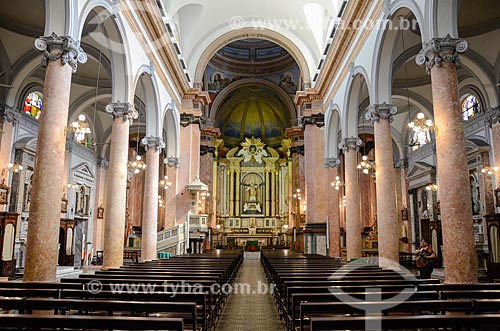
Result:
[[441, 58], [387, 216], [273, 192], [153, 146], [333, 209], [353, 215], [267, 187], [61, 55], [115, 205]]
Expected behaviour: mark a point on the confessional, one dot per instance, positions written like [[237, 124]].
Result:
[[8, 229]]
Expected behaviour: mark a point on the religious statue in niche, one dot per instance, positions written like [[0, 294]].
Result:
[[4, 192], [253, 150], [252, 193]]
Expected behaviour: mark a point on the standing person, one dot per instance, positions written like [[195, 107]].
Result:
[[424, 262]]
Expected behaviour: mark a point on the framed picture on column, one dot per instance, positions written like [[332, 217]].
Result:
[[100, 213], [404, 214]]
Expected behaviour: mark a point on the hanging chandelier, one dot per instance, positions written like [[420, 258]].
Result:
[[337, 184], [432, 187], [421, 123], [165, 183], [137, 165], [80, 128], [161, 203], [490, 170], [14, 167], [366, 166]]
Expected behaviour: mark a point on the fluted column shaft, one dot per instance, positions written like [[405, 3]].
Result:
[[48, 175], [353, 214], [115, 206], [441, 58], [387, 215], [150, 211]]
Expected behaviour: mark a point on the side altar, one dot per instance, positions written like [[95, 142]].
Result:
[[253, 195]]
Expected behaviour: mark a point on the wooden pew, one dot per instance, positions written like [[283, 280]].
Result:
[[413, 322], [330, 309], [184, 310], [14, 322]]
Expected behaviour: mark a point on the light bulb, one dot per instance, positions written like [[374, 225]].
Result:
[[136, 171], [81, 118], [138, 157], [365, 171], [364, 158], [420, 116], [411, 125]]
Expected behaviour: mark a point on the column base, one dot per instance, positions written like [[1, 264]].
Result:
[[315, 239]]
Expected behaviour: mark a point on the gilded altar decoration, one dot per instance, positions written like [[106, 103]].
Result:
[[4, 192], [253, 150]]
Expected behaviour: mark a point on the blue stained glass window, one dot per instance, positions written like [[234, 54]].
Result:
[[470, 107]]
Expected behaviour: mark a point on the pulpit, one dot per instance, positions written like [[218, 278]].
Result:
[[8, 229]]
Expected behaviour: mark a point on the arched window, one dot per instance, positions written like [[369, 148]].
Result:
[[33, 104], [470, 107]]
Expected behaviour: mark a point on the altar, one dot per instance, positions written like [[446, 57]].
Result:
[[252, 195]]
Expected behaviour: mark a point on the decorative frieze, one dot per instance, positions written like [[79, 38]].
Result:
[[381, 111], [102, 163], [440, 50], [64, 48], [401, 164]]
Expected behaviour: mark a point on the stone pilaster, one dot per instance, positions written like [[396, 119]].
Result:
[[353, 215], [387, 215], [316, 185], [48, 176], [441, 59], [115, 203], [153, 146]]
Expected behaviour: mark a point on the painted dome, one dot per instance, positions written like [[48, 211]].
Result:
[[253, 111]]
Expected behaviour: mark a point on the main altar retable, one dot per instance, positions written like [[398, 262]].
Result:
[[253, 195]]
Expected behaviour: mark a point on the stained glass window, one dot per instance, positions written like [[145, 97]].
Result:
[[33, 104], [470, 107], [420, 138]]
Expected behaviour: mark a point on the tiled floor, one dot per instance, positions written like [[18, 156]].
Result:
[[250, 307]]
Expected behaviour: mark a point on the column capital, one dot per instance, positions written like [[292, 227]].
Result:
[[332, 162], [188, 119], [8, 113], [314, 119], [172, 161], [68, 50], [124, 110], [381, 111], [492, 116], [351, 143], [153, 142], [102, 163], [401, 164], [440, 50]]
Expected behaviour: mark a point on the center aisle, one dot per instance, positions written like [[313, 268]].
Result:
[[250, 307]]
